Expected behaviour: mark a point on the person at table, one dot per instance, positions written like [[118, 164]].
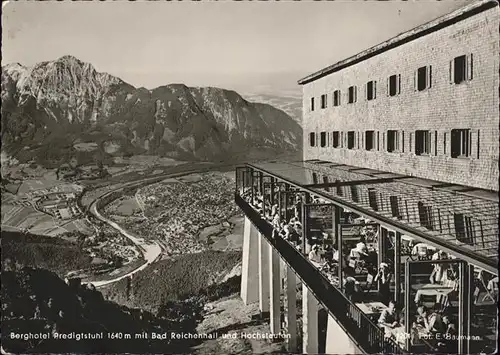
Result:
[[383, 278], [389, 317], [351, 287], [431, 321], [315, 256]]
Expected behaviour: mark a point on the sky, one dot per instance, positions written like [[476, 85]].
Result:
[[249, 46]]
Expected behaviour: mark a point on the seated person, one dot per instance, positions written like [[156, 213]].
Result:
[[284, 231], [335, 254], [360, 252], [276, 220], [389, 317], [315, 256], [351, 287], [431, 321], [421, 316]]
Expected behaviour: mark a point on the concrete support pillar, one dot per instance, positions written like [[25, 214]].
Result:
[[263, 275], [310, 308], [283, 268], [337, 341], [275, 291], [250, 264], [291, 309]]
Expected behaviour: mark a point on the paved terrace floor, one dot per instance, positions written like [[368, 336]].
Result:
[[458, 219]]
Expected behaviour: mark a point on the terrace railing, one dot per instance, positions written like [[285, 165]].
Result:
[[368, 336]]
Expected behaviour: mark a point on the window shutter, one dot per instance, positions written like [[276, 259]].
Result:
[[436, 143], [415, 80], [388, 85], [366, 91], [429, 78], [399, 83], [452, 71], [478, 145], [470, 142], [429, 144], [470, 67], [375, 89]]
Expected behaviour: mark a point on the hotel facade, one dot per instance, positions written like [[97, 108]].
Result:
[[390, 221]]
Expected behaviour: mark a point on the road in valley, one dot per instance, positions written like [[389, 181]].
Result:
[[151, 250]]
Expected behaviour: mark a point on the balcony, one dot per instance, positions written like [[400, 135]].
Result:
[[337, 216]]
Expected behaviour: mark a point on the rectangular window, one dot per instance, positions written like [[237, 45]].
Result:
[[392, 141], [444, 142], [352, 95], [315, 178], [372, 198], [358, 134], [422, 142], [336, 98], [369, 140], [394, 85], [354, 193], [395, 207], [323, 101], [335, 139], [423, 78], [460, 143], [312, 139], [322, 139], [350, 140], [312, 103], [371, 90], [403, 141], [378, 141], [461, 69], [342, 139], [425, 214], [325, 181], [411, 135], [340, 191], [464, 229]]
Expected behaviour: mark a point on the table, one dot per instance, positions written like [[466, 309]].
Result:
[[441, 292], [371, 308]]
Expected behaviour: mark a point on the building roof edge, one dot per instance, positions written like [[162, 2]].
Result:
[[410, 35]]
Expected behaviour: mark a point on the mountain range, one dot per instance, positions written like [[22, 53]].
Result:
[[64, 109], [292, 105]]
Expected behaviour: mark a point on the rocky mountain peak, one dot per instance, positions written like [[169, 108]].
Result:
[[172, 120]]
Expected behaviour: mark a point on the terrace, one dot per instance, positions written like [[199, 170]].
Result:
[[429, 246]]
